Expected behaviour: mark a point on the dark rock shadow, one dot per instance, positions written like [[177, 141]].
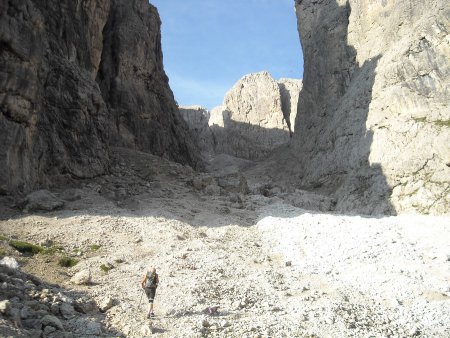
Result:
[[286, 108], [331, 144], [245, 140]]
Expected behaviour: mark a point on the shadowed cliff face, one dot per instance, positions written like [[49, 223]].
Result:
[[372, 118], [135, 87], [55, 120], [331, 139]]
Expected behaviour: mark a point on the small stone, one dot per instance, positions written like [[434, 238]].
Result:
[[67, 310], [46, 243], [5, 306], [225, 323], [205, 323], [105, 304], [48, 330], [146, 330], [10, 262], [33, 323], [93, 328], [25, 312], [82, 277], [212, 310], [54, 308], [86, 305], [288, 263], [50, 320]]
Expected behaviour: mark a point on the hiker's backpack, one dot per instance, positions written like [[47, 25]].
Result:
[[151, 280]]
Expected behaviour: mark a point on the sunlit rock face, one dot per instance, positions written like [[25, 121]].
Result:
[[77, 77], [251, 122], [373, 122]]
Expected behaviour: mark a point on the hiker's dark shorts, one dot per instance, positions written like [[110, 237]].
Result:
[[150, 292]]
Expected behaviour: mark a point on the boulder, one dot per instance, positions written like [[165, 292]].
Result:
[[67, 310], [49, 320], [105, 304], [42, 200], [235, 183], [85, 305], [82, 277], [93, 329]]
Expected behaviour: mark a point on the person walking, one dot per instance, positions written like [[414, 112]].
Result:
[[149, 283]]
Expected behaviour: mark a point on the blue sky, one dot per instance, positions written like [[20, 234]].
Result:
[[210, 44]]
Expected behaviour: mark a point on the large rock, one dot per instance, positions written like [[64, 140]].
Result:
[[250, 123], [42, 200], [49, 320], [82, 277], [372, 127], [76, 77]]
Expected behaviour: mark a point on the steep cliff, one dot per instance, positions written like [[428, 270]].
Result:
[[75, 78], [373, 122]]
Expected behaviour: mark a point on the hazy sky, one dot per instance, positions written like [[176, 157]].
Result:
[[210, 44]]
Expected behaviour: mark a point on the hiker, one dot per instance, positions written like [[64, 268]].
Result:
[[149, 283]]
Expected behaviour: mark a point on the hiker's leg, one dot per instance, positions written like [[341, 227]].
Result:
[[152, 297]]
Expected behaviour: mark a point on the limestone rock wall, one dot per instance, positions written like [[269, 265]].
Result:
[[76, 77], [373, 123], [251, 121]]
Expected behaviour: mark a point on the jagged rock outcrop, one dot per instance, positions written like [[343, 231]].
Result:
[[373, 123], [76, 77], [197, 119], [251, 122]]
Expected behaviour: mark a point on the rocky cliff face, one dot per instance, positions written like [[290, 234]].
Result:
[[373, 123], [197, 119], [75, 78], [255, 116]]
